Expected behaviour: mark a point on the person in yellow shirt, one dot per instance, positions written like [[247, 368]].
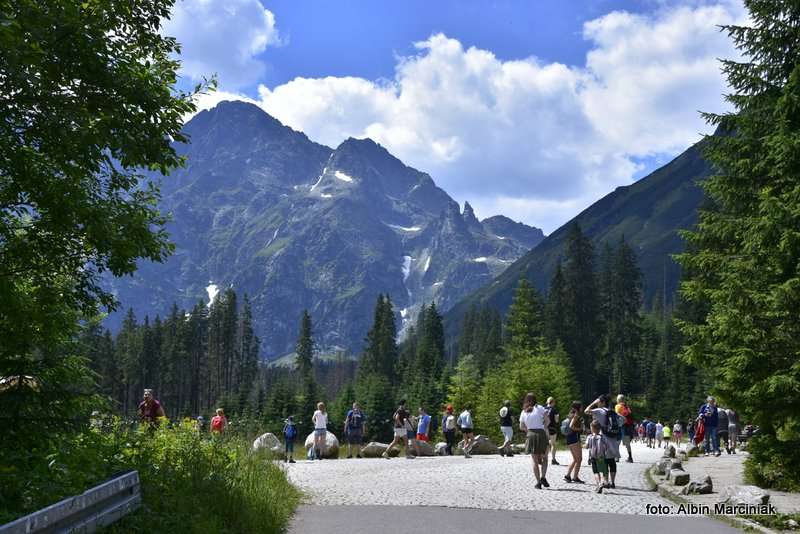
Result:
[[667, 435]]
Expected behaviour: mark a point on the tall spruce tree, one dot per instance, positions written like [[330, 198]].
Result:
[[525, 322], [555, 320], [747, 245], [582, 327]]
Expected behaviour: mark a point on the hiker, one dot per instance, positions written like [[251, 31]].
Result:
[[552, 429], [423, 429], [659, 434], [411, 433], [667, 433], [507, 429], [733, 431], [219, 422], [677, 432], [641, 431], [610, 428], [533, 420], [320, 420], [597, 444], [354, 424], [150, 410], [467, 429], [573, 438], [628, 428], [289, 435], [399, 420], [651, 434], [449, 424], [200, 424], [710, 415], [690, 427]]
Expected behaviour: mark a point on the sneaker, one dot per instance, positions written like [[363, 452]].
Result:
[[545, 483], [385, 455], [359, 456], [567, 479], [578, 481], [538, 485], [599, 489], [291, 461], [502, 452], [349, 456], [629, 460], [555, 462], [613, 486], [467, 455], [718, 453], [510, 454]]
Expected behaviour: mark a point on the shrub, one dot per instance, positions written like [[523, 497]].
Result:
[[773, 463]]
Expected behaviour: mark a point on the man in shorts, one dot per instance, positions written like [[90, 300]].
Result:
[[354, 425], [399, 421], [467, 429], [552, 428]]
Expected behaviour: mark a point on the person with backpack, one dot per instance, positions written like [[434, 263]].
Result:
[[628, 427], [611, 428], [354, 425], [651, 434], [507, 429], [467, 429], [552, 429], [219, 422], [571, 427], [289, 435], [598, 446], [659, 434], [533, 420], [733, 431], [722, 429], [449, 424], [399, 421]]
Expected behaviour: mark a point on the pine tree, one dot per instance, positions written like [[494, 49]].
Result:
[[555, 319], [745, 255], [524, 323]]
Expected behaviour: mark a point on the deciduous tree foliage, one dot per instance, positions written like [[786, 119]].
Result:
[[745, 256]]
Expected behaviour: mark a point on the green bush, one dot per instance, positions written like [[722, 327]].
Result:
[[773, 463], [191, 482]]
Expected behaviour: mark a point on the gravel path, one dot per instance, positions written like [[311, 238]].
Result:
[[481, 482]]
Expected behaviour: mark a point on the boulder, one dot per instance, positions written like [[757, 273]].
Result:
[[424, 447], [331, 445], [670, 451], [518, 448], [375, 449], [676, 464], [268, 441], [746, 495], [705, 487], [679, 478], [480, 445], [440, 449], [662, 466], [692, 450]]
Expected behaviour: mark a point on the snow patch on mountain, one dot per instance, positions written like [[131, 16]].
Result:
[[406, 267], [213, 290], [404, 228], [342, 176]]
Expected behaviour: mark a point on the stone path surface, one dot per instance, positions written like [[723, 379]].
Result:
[[411, 519], [481, 482]]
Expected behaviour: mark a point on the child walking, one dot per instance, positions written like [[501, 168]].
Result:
[[597, 444], [289, 435]]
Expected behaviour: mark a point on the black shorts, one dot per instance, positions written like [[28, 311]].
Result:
[[355, 437], [465, 430]]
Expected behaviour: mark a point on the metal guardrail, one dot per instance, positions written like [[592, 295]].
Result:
[[95, 508]]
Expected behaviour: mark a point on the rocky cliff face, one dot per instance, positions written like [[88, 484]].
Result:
[[296, 225]]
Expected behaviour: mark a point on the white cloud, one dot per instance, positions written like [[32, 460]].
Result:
[[223, 37], [532, 140]]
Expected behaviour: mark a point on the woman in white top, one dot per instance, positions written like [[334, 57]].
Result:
[[533, 421], [320, 419]]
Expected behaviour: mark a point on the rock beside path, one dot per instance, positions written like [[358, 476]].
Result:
[[268, 441], [331, 445], [702, 488], [440, 449], [375, 449], [425, 448], [679, 478], [745, 495], [480, 445]]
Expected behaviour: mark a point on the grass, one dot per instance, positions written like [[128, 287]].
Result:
[[776, 521]]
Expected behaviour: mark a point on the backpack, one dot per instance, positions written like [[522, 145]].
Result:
[[565, 426], [355, 421], [290, 432], [612, 429]]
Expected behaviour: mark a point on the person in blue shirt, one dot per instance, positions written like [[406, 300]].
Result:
[[710, 415], [354, 424], [289, 435], [651, 434], [423, 429]]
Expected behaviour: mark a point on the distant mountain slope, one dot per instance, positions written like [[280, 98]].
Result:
[[297, 225], [648, 213]]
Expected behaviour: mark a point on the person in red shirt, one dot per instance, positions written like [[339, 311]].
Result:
[[625, 411], [219, 422], [150, 410]]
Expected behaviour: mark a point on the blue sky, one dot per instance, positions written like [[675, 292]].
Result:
[[533, 109]]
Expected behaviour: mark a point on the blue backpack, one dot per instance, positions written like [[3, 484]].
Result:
[[290, 432]]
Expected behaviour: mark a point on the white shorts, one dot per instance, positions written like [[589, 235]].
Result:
[[508, 432], [399, 432]]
